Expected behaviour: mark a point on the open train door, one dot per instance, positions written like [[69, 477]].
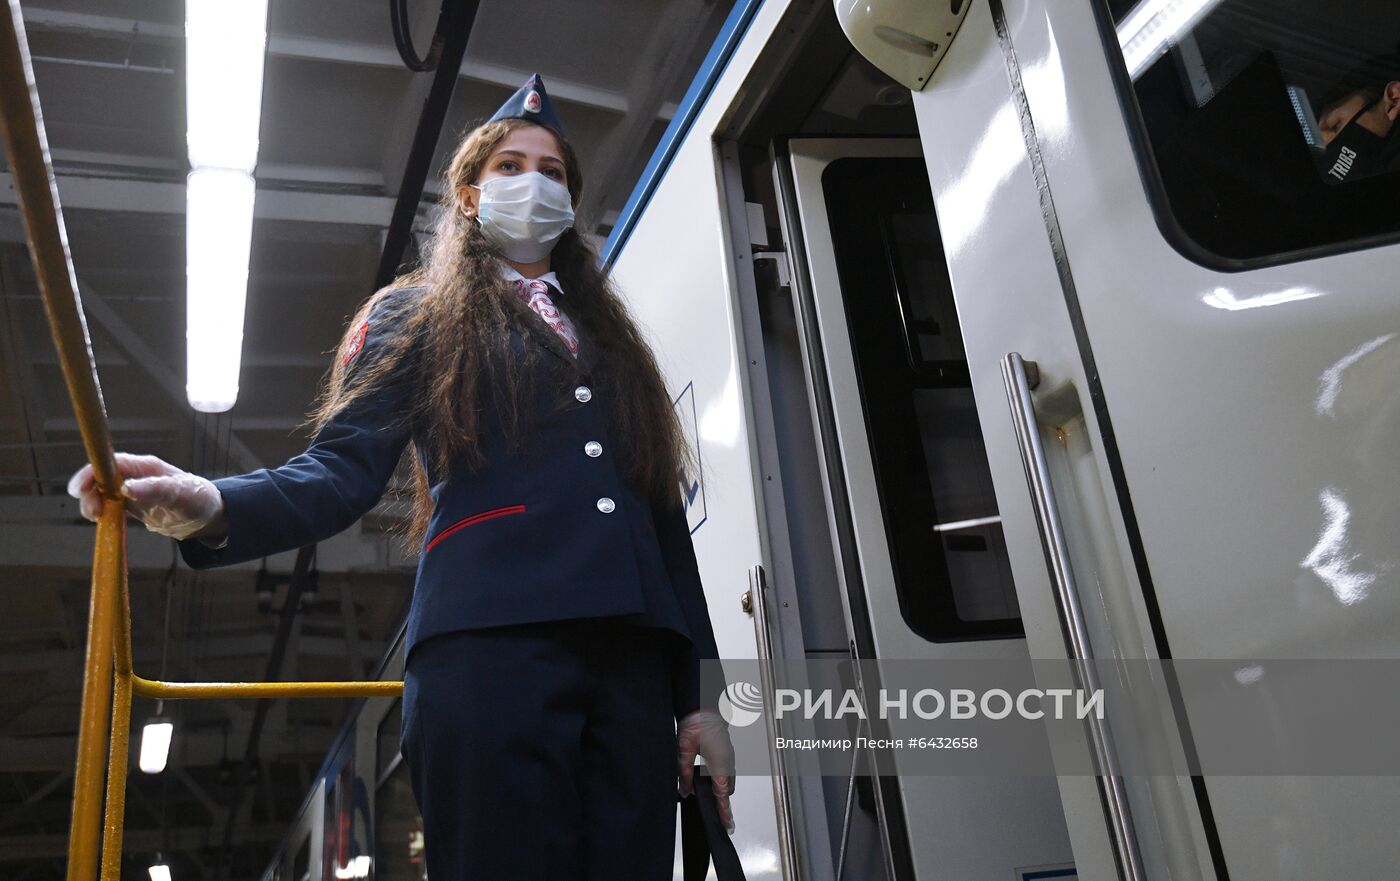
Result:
[[921, 552]]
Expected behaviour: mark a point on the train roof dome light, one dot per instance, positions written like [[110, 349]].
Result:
[[905, 39]]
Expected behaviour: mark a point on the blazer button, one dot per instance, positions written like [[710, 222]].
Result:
[[593, 448], [583, 393], [606, 505]]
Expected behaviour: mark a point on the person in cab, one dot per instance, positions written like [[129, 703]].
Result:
[[1358, 122], [551, 685]]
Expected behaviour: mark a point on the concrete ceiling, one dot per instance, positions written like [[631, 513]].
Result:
[[339, 110]]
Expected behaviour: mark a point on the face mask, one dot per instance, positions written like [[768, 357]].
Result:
[[524, 214], [1357, 152]]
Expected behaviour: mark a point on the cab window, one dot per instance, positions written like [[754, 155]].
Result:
[[1271, 127]]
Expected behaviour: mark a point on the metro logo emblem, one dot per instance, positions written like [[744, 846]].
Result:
[[533, 102]]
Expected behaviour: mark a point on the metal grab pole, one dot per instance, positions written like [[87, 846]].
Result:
[[175, 691], [1016, 375], [27, 150], [97, 697], [119, 746], [104, 728], [120, 742]]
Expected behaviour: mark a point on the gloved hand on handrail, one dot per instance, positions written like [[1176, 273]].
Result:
[[704, 732], [167, 500]]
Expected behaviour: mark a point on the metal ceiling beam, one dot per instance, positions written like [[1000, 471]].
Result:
[[197, 744], [198, 748], [60, 666], [255, 360], [149, 275], [350, 626], [135, 347], [201, 795], [266, 171], [22, 811], [40, 19], [24, 387], [288, 626], [402, 131], [661, 61], [168, 197], [457, 20], [70, 547]]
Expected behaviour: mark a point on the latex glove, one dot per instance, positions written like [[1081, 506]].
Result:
[[704, 732], [169, 501]]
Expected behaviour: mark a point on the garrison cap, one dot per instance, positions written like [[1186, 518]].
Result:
[[530, 102]]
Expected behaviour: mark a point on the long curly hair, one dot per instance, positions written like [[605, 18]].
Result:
[[454, 349]]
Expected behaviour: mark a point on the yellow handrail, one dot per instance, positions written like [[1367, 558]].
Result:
[[108, 678]]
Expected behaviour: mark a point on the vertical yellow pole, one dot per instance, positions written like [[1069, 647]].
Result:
[[97, 696], [36, 190], [116, 780], [118, 751], [108, 679], [31, 172]]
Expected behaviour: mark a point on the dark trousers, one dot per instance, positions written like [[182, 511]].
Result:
[[544, 752]]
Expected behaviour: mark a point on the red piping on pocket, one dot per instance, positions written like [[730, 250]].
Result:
[[475, 518]]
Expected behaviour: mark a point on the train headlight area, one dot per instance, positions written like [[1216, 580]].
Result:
[[1000, 331]]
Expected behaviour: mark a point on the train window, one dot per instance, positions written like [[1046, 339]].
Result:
[[386, 741], [347, 821], [1272, 126], [952, 574], [398, 830], [301, 863]]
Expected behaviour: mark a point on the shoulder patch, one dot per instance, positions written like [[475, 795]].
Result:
[[357, 343]]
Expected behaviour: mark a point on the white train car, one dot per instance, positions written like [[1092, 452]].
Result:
[[835, 267]]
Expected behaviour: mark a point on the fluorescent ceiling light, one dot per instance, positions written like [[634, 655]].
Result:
[[1153, 25], [224, 47], [225, 43], [155, 751], [218, 240]]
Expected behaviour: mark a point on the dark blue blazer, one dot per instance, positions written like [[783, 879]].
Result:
[[547, 533]]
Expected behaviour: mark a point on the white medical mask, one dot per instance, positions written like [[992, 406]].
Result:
[[524, 214]]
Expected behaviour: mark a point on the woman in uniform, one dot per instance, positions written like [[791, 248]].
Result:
[[551, 687]]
